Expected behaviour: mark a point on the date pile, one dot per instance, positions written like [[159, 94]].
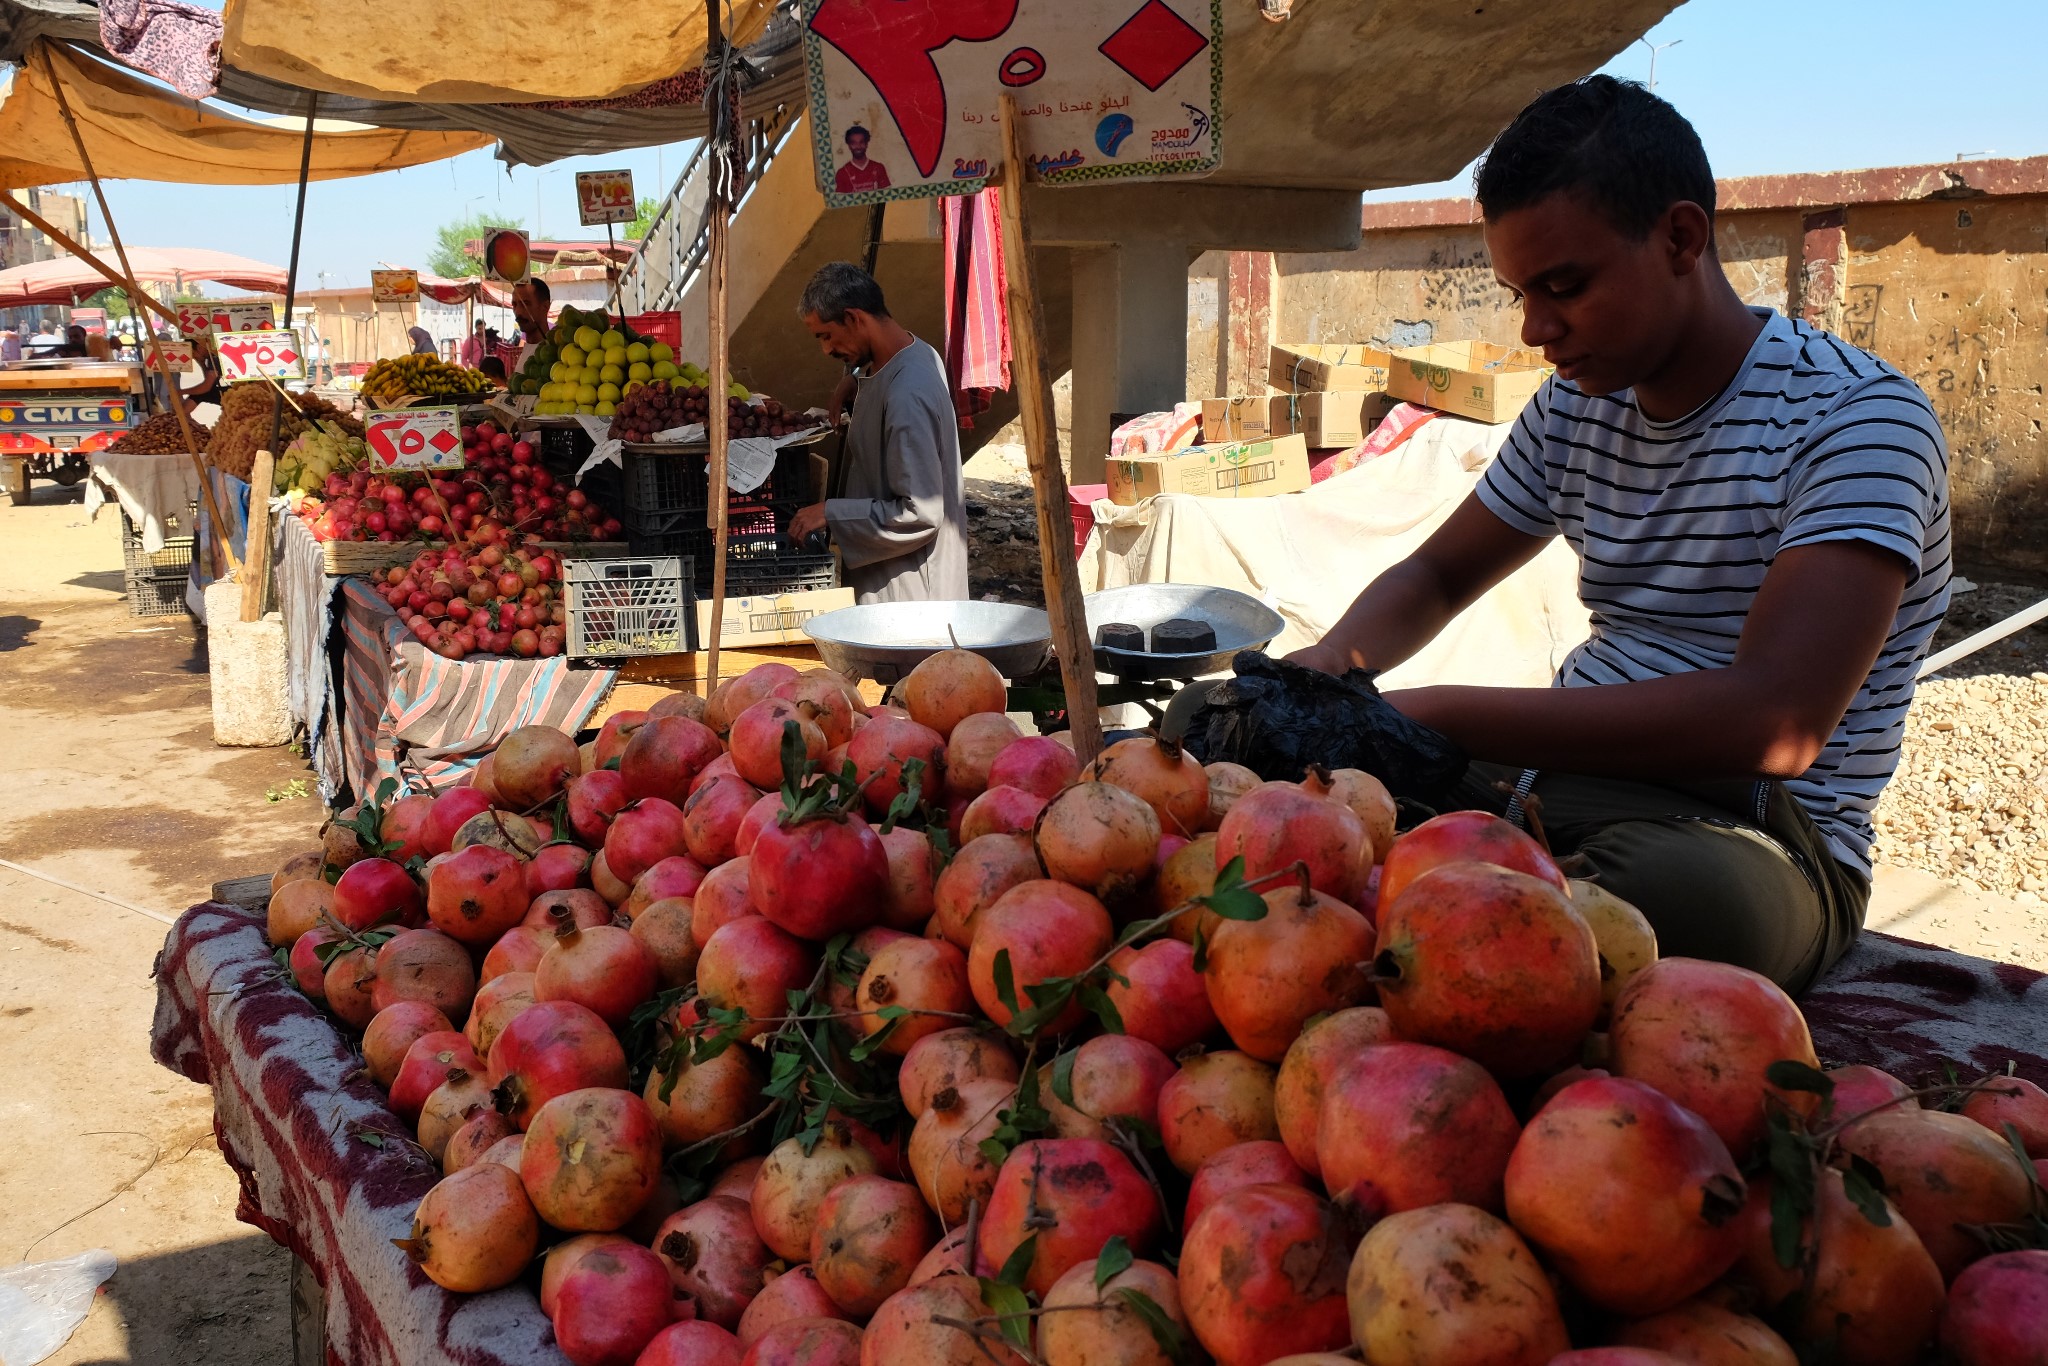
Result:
[[159, 435]]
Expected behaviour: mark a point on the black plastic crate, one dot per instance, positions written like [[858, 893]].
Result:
[[763, 561], [670, 483]]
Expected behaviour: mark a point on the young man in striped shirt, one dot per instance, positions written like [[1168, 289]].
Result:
[[1760, 512]]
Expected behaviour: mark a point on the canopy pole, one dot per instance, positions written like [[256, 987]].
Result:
[[221, 529], [1042, 451], [720, 130], [611, 273], [83, 253], [291, 278]]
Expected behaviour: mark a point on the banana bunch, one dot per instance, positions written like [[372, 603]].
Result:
[[389, 381]]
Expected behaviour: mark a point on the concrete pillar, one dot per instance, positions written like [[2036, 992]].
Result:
[[1823, 273], [1248, 322], [1130, 342]]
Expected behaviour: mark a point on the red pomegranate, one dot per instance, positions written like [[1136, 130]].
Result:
[[613, 735], [474, 1231], [1859, 1090], [551, 1049], [296, 908], [1047, 929], [663, 929], [1266, 978], [2007, 1100], [392, 1033], [870, 1234], [498, 1002], [591, 1158], [1464, 837], [611, 1305], [604, 968], [972, 748], [691, 1343], [946, 1157], [918, 975], [978, 876], [1632, 1197], [1450, 1285], [551, 912], [643, 834], [532, 765], [425, 1066], [664, 754], [1037, 763], [1073, 1194], [706, 1098], [1277, 825], [916, 1325], [476, 894], [1000, 811], [1264, 1162], [757, 737], [350, 976], [1162, 775], [1489, 963], [913, 877], [952, 1058], [880, 749], [1998, 1312], [1110, 1078], [714, 1258], [950, 686], [594, 798], [750, 687], [1262, 1274], [1405, 1125], [1311, 1064], [426, 966], [752, 965], [760, 815], [712, 817], [672, 877], [725, 896], [677, 704], [1703, 1034], [450, 811], [518, 949], [405, 825], [1189, 872], [820, 877], [376, 891], [1946, 1173], [1366, 795], [795, 1294], [449, 1106], [1109, 1328], [1165, 1002], [791, 1187], [1098, 837], [1227, 782], [605, 885], [557, 867], [479, 1131], [833, 702], [1215, 1101], [807, 1342], [308, 972]]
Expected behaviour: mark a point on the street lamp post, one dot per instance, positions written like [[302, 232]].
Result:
[[1656, 48]]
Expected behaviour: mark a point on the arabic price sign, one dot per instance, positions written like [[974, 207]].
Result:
[[394, 286], [416, 438], [176, 354], [205, 319], [261, 355], [606, 197], [906, 97]]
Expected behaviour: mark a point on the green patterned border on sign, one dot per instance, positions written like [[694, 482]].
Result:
[[821, 135]]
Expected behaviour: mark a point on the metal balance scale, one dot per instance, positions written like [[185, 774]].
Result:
[[885, 641]]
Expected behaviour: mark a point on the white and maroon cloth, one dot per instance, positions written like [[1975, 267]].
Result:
[[977, 305]]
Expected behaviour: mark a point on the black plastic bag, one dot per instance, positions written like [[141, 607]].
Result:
[[1278, 718]]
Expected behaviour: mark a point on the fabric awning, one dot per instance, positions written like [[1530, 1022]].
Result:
[[446, 291], [59, 280], [432, 51], [138, 131]]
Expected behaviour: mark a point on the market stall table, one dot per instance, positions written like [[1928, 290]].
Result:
[[332, 1174]]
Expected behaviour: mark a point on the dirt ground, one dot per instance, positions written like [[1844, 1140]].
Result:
[[114, 784]]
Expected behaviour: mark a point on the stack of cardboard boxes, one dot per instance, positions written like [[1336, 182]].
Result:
[[1325, 397]]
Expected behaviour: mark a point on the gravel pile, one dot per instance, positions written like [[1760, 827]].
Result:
[[1969, 802]]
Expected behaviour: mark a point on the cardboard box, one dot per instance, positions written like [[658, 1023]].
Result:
[[1245, 417], [771, 619], [1256, 469], [1323, 420], [1474, 379], [1304, 367]]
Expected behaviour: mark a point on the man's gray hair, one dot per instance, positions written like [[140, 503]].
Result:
[[838, 289]]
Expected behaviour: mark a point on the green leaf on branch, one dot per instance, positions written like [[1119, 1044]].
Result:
[[796, 759], [1230, 898], [1063, 1076], [1096, 1001], [1012, 1309], [1172, 1338], [1201, 947], [869, 1046], [1114, 1259], [1006, 981], [1049, 1000], [1863, 1183], [1017, 1266], [907, 801]]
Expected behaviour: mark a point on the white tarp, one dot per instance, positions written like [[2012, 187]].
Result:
[[1309, 554]]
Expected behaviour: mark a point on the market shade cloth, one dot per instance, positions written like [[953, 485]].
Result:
[[446, 291], [527, 134], [151, 489], [290, 1102], [433, 51], [58, 280], [137, 131]]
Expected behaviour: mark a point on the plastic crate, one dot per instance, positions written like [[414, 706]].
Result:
[[625, 607], [153, 595], [155, 582], [671, 484], [759, 556]]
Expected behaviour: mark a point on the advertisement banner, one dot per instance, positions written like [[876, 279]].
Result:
[[605, 197], [394, 286]]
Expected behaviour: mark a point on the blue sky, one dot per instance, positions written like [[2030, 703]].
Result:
[[1772, 85]]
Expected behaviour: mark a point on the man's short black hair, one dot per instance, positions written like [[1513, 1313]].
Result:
[[856, 128], [540, 289], [1612, 144], [839, 288]]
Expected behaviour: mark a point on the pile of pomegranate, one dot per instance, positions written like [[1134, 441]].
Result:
[[778, 1028], [491, 593], [502, 482]]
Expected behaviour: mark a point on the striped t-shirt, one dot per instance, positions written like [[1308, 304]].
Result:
[[1676, 524]]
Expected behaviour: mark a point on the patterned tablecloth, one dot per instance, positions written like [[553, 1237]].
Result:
[[290, 1107]]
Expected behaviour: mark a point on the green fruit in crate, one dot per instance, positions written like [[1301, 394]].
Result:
[[660, 351], [663, 370], [614, 337], [611, 374], [589, 338], [639, 370], [636, 353]]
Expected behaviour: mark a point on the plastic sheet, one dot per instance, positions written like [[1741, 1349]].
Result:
[[41, 1303], [1277, 718]]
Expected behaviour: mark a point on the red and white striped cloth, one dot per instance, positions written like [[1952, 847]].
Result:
[[977, 346]]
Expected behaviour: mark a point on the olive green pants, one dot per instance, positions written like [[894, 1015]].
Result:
[[1735, 871]]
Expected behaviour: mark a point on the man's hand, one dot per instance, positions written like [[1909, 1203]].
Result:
[[805, 521], [1323, 657]]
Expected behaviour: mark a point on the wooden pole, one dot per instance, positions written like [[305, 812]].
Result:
[[720, 348], [256, 569], [291, 277], [220, 523], [1042, 451]]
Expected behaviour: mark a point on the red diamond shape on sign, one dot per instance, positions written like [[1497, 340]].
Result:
[[444, 441], [1153, 44]]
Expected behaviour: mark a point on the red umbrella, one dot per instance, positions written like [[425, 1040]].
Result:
[[60, 280]]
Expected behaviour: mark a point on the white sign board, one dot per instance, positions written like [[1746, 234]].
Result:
[[261, 355], [394, 286], [906, 96], [205, 319], [176, 354], [606, 197], [415, 438]]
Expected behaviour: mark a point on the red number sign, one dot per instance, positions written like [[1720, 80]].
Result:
[[416, 439], [261, 355]]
